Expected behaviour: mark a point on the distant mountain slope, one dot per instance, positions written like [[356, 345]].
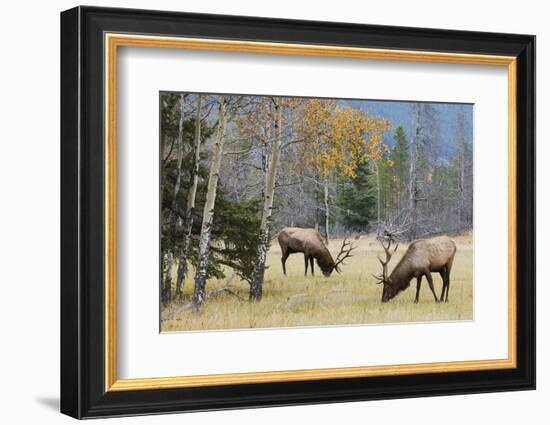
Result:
[[400, 114]]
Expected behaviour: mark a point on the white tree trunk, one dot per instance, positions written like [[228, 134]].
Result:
[[461, 171], [190, 207], [167, 293], [177, 184], [413, 179], [327, 212], [256, 287], [376, 170], [167, 287], [208, 212]]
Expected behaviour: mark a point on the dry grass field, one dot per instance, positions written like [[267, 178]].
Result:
[[349, 298]]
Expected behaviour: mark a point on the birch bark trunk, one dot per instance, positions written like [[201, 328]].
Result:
[[256, 287], [327, 212], [167, 292], [376, 170], [190, 207], [208, 212], [413, 178], [461, 183], [412, 195]]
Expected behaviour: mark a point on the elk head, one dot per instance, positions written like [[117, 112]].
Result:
[[389, 291], [345, 252]]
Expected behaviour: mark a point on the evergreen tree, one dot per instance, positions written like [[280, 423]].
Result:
[[234, 230], [356, 200], [236, 226], [393, 169], [399, 156]]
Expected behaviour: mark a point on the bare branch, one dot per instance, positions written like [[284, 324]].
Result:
[[171, 149], [169, 315], [291, 142], [257, 167], [288, 184], [241, 152]]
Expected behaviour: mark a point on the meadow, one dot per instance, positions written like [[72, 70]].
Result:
[[351, 297]]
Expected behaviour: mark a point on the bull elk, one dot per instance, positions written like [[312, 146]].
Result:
[[423, 257], [309, 241]]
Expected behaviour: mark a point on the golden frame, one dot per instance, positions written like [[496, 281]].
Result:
[[113, 41]]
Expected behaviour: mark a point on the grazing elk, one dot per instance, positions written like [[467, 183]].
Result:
[[309, 241], [423, 257]]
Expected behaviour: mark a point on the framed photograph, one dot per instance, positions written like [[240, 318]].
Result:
[[261, 212]]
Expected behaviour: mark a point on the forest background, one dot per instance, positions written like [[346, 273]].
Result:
[[236, 169]]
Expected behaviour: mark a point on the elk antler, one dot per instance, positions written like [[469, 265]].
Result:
[[390, 238], [345, 252]]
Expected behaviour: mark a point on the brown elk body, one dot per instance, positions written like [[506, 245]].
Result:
[[310, 243], [423, 257]]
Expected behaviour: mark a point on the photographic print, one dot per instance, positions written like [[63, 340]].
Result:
[[290, 212], [331, 212]]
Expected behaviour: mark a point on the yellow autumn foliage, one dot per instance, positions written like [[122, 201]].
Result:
[[339, 138]]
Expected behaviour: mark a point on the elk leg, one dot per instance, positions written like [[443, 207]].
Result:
[[283, 261], [431, 283], [311, 263], [306, 261], [448, 277], [443, 274], [418, 283]]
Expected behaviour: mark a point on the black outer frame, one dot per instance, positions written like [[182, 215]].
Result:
[[82, 212]]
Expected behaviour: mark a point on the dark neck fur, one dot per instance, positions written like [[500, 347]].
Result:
[[401, 276], [324, 260]]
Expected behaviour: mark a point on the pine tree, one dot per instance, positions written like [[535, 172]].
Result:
[[399, 156], [172, 215], [356, 200], [392, 174], [236, 225]]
